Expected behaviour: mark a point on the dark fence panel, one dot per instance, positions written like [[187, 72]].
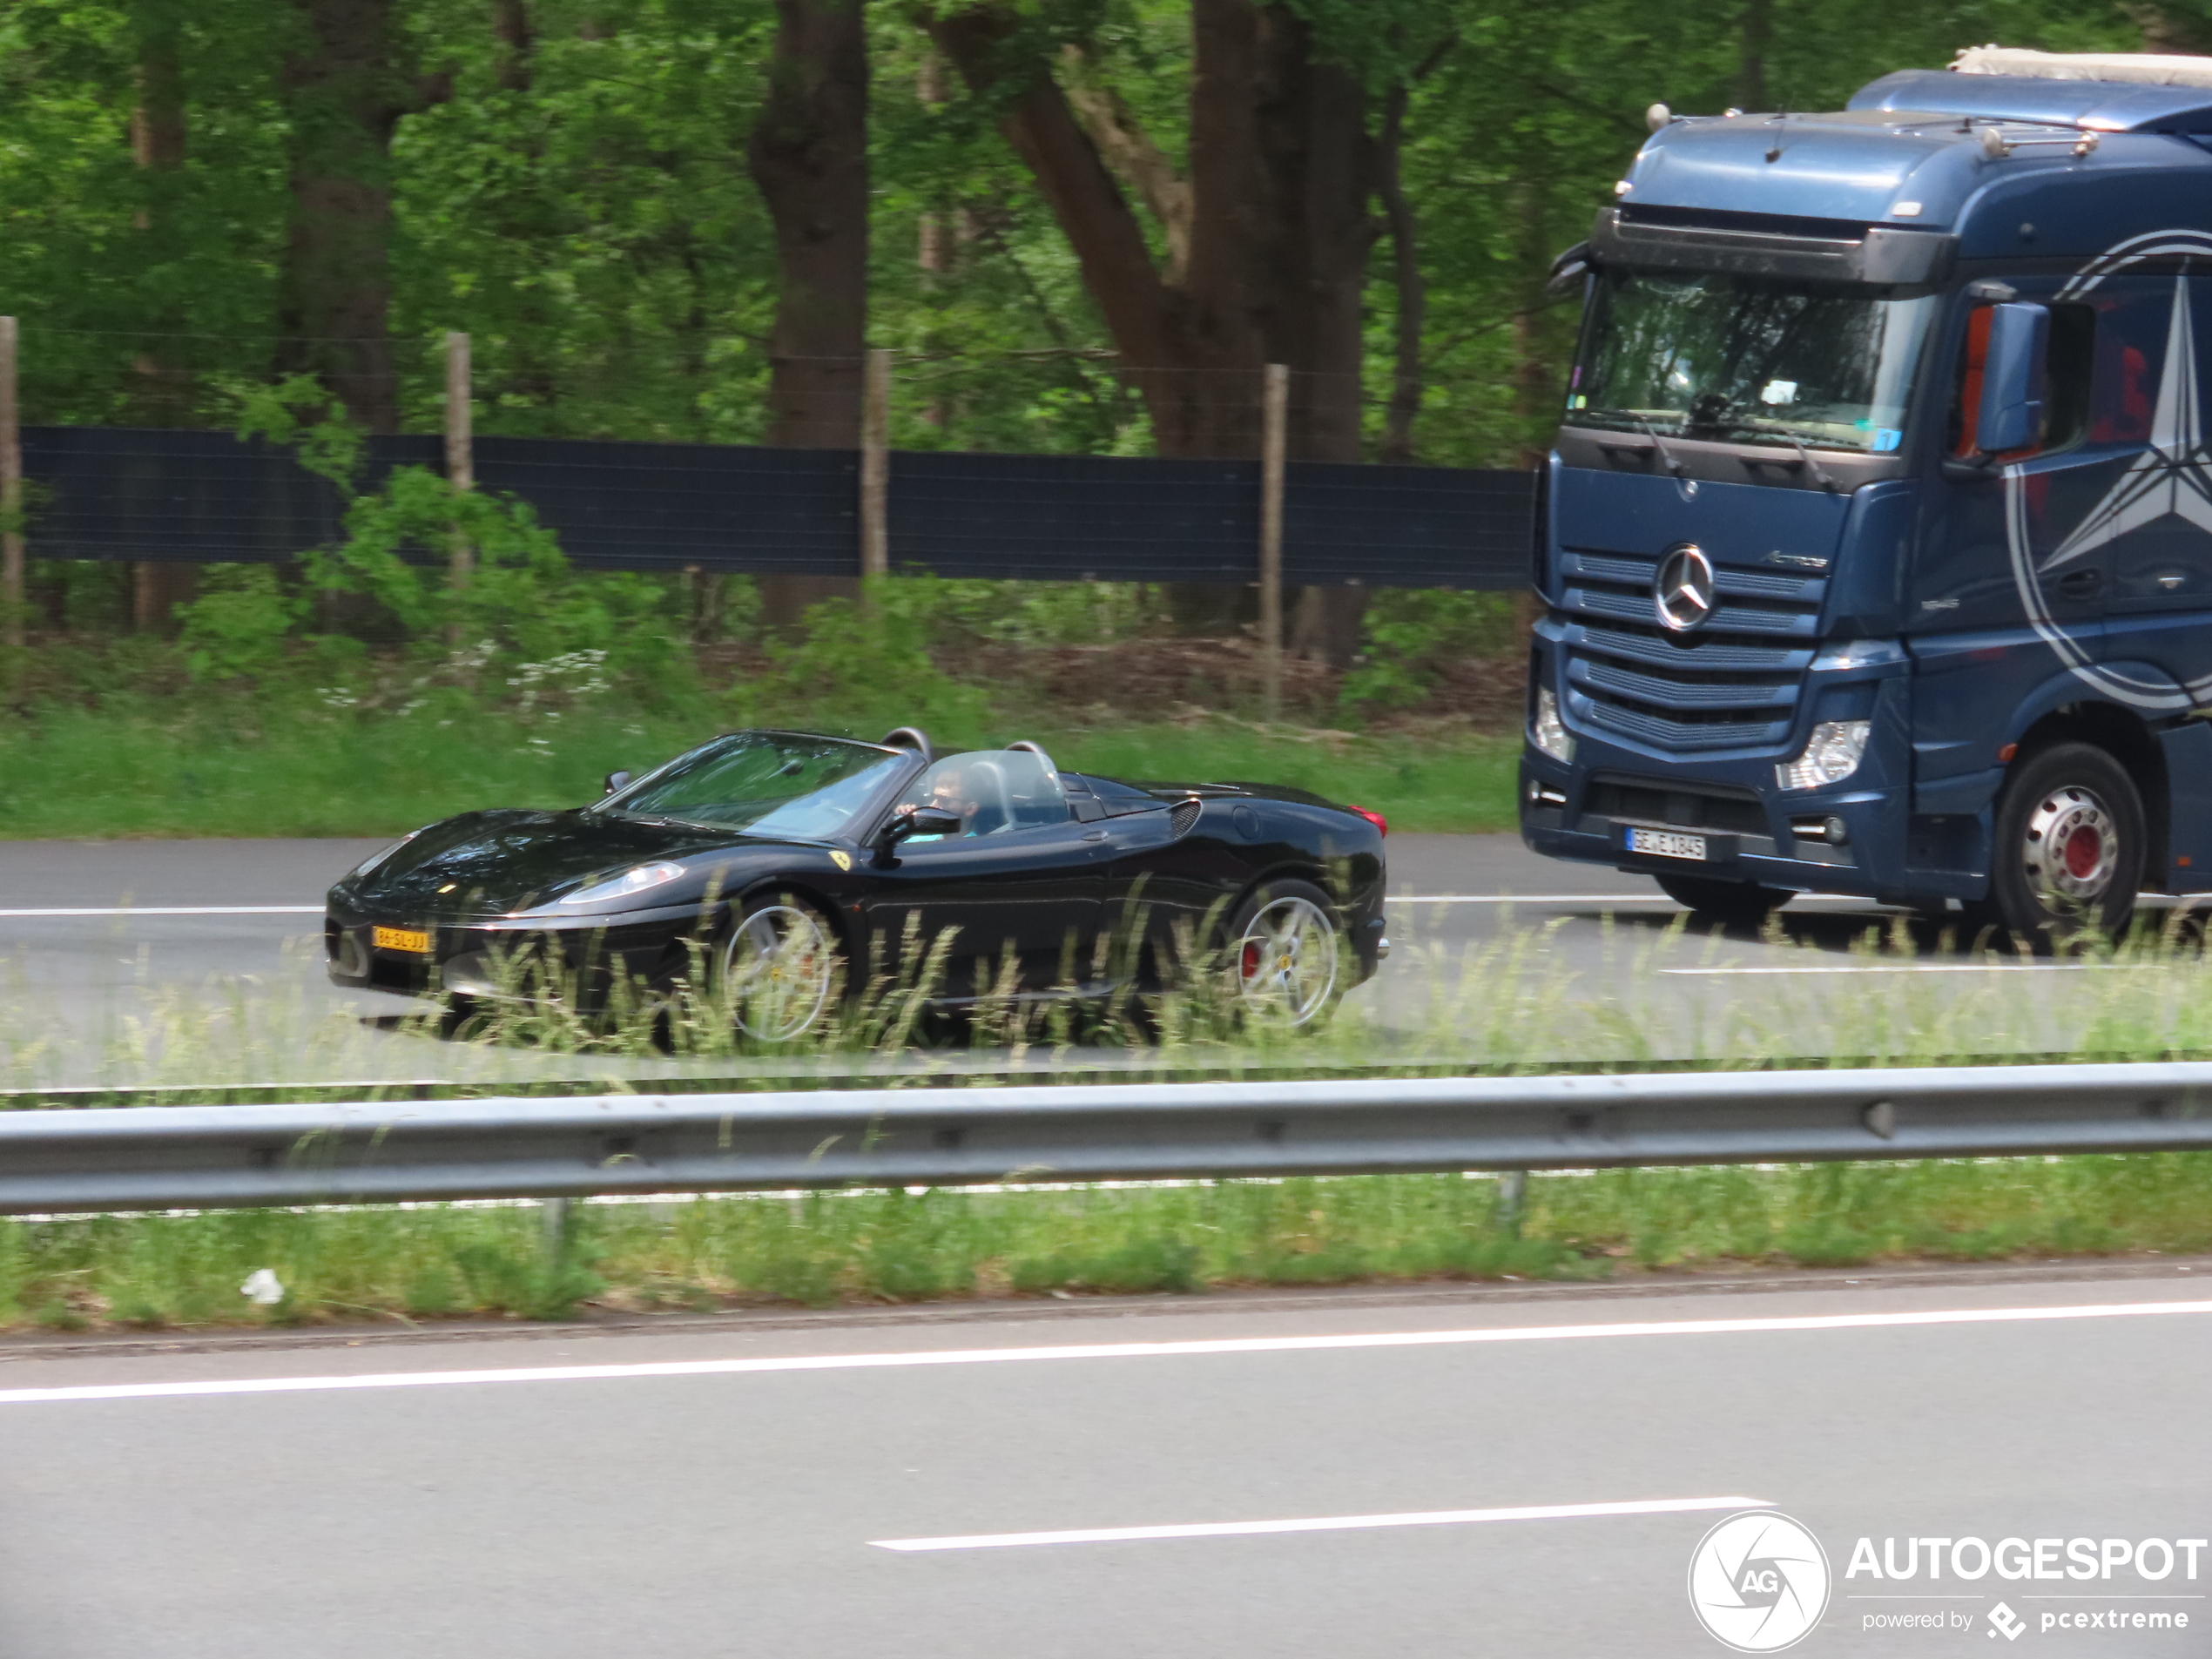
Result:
[[1109, 517], [663, 506], [127, 493]]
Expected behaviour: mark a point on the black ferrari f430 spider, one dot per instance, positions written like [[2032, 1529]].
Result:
[[786, 865]]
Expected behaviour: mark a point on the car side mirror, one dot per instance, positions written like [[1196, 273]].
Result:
[[2011, 412], [616, 780]]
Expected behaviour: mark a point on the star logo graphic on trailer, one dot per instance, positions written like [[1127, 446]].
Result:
[[2170, 479]]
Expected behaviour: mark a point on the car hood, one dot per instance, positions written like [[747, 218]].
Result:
[[495, 863]]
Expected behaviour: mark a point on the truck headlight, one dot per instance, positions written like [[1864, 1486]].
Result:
[[1547, 731], [1831, 754]]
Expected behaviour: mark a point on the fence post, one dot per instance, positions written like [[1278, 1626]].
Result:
[[1274, 435], [875, 466], [11, 572], [461, 464]]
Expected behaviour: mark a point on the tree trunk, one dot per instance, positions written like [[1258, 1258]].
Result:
[[1278, 235], [336, 291], [1757, 36], [161, 387], [346, 83], [808, 155]]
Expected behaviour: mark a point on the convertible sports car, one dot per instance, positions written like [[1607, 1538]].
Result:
[[787, 863]]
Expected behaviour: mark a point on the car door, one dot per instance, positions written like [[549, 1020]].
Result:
[[1036, 893], [1024, 882]]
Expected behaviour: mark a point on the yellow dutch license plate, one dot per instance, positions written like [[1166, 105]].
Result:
[[415, 940]]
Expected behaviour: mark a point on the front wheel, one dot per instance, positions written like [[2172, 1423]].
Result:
[[1733, 904], [2068, 846], [1285, 953], [780, 968]]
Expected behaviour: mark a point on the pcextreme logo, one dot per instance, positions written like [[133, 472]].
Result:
[[1758, 1581]]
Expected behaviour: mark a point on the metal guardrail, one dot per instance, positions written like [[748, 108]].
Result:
[[179, 1157]]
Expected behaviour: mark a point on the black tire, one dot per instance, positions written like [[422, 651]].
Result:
[[1288, 958], [2067, 850], [1733, 904]]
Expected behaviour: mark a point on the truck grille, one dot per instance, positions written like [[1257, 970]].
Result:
[[1734, 684]]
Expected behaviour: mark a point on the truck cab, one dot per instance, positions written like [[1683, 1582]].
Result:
[[1876, 546]]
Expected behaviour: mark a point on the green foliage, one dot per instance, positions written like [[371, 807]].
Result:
[[864, 664], [1411, 632], [239, 624]]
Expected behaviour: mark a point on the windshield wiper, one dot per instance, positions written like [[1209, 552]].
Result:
[[1818, 474], [1658, 444]]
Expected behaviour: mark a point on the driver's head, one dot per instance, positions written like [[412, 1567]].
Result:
[[948, 792]]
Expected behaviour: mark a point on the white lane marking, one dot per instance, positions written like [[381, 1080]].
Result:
[[1927, 967], [176, 910], [1596, 898], [1092, 1350], [1324, 1523]]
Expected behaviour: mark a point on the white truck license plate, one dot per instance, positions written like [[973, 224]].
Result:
[[1666, 844]]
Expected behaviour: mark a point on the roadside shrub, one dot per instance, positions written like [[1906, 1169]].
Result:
[[1411, 633]]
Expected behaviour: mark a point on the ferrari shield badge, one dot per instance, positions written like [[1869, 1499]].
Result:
[[843, 860]]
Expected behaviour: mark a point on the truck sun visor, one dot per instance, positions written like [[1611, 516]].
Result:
[[1879, 256]]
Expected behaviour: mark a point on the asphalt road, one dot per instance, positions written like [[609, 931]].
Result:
[[1555, 961], [845, 1490]]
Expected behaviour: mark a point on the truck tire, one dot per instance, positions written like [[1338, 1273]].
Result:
[[2067, 855], [1734, 904]]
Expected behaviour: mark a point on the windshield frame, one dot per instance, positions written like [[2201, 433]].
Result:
[[862, 818], [1903, 372]]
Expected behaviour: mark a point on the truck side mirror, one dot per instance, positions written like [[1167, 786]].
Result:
[[2011, 415]]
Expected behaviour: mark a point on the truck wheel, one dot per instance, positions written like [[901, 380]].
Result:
[[2068, 854], [1734, 904]]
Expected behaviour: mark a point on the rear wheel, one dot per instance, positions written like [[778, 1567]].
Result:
[[1733, 904], [780, 968], [1286, 957], [2068, 846]]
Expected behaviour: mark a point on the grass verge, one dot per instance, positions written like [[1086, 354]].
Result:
[[212, 770], [436, 1262]]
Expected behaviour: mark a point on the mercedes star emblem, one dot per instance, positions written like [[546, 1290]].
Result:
[[1684, 592]]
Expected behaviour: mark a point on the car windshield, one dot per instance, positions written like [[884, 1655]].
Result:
[[764, 783], [991, 791], [1743, 361]]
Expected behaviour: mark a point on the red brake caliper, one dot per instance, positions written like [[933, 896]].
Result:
[[1251, 958]]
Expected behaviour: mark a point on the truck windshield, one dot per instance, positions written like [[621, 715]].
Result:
[[1740, 360]]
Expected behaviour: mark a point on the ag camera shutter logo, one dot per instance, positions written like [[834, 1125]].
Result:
[[1758, 1581]]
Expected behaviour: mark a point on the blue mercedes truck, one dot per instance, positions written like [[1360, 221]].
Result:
[[1876, 549]]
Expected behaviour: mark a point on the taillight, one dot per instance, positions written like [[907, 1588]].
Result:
[[1381, 824]]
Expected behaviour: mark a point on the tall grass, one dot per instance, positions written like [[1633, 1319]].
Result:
[[443, 1261]]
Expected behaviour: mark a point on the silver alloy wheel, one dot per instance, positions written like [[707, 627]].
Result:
[[1287, 961], [777, 970], [2072, 846]]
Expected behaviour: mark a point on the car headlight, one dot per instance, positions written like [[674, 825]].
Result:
[[375, 858], [1831, 754], [1547, 731], [622, 883]]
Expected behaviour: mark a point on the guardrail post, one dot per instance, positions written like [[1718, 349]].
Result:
[[461, 465], [1513, 1196], [11, 560], [1274, 439], [875, 466]]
